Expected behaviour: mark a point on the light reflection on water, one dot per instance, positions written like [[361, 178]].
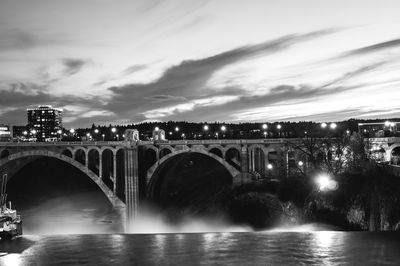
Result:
[[266, 248]]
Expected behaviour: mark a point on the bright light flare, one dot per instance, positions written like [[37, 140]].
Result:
[[325, 183]]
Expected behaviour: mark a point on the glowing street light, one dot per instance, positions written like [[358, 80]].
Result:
[[156, 128], [34, 131], [270, 166], [103, 135], [25, 133], [324, 125], [183, 135], [265, 134], [387, 123], [223, 128], [300, 163], [72, 131], [278, 126], [347, 132], [333, 125], [264, 126], [205, 127], [59, 131], [113, 130], [117, 136], [325, 182], [177, 129], [96, 131]]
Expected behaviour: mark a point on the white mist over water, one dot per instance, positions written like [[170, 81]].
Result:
[[311, 227], [151, 223]]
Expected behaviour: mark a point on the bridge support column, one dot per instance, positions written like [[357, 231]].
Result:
[[131, 184], [244, 159], [115, 174], [87, 160], [100, 165], [286, 161]]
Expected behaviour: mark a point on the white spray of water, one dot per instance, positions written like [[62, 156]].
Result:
[[149, 222], [311, 227]]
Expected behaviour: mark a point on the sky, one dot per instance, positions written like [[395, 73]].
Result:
[[125, 61]]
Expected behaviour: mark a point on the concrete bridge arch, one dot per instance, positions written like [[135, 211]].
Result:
[[236, 175], [117, 204]]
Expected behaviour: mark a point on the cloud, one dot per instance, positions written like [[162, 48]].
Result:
[[20, 39], [73, 65], [189, 78], [21, 95], [15, 39], [376, 47]]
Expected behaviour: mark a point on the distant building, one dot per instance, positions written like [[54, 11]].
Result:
[[45, 123], [5, 133], [379, 129]]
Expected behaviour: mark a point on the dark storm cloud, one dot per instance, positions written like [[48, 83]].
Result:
[[189, 78], [73, 65]]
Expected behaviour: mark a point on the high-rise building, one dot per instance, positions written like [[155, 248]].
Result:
[[5, 133], [45, 123]]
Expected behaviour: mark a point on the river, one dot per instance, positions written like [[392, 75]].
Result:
[[246, 248]]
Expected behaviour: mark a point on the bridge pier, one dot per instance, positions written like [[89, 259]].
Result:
[[244, 159], [115, 173], [131, 184]]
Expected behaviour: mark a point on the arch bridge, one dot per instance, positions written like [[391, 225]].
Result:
[[124, 170]]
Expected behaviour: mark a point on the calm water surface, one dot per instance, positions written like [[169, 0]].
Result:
[[258, 248]]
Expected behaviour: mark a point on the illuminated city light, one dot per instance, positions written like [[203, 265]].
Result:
[[72, 131], [177, 129], [264, 126], [300, 163], [324, 182], [324, 125], [96, 131], [278, 126], [223, 128], [269, 166], [113, 130], [333, 125], [205, 127]]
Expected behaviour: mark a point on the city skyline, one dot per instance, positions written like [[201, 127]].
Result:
[[130, 62]]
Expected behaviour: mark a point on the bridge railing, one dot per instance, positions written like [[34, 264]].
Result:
[[63, 143]]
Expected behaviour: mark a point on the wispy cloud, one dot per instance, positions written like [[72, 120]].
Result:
[[188, 80], [73, 65]]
